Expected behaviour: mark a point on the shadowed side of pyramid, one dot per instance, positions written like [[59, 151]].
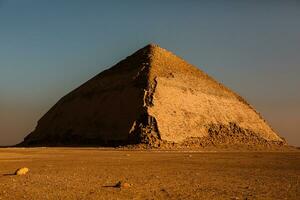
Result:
[[100, 112], [156, 98]]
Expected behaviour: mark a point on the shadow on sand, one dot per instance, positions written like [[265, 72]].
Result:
[[11, 174]]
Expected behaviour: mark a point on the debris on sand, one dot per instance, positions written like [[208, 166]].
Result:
[[21, 171], [121, 184]]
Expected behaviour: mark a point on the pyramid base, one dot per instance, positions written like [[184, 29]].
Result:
[[219, 135]]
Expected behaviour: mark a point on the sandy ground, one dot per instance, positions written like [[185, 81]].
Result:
[[70, 173]]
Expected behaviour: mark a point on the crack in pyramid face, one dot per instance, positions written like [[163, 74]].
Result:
[[149, 97]]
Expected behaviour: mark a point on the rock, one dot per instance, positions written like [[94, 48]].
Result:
[[22, 171], [126, 185], [121, 184]]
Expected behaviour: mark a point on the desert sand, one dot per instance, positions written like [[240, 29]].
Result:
[[180, 135], [92, 173]]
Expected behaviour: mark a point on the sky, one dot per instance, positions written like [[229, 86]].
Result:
[[50, 47]]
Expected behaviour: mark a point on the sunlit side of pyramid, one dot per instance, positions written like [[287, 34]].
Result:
[[152, 97]]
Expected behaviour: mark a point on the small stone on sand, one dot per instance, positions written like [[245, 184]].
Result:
[[121, 184], [22, 171]]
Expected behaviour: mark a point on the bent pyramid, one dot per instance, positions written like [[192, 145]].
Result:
[[152, 97]]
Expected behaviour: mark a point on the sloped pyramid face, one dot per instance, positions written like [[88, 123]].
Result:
[[151, 97]]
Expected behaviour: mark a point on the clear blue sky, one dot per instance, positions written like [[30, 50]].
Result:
[[49, 47]]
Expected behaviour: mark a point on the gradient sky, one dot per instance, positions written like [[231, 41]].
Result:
[[49, 47]]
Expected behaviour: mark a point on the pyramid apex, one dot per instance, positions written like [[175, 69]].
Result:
[[153, 46]]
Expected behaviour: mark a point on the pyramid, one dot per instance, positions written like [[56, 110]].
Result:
[[152, 97]]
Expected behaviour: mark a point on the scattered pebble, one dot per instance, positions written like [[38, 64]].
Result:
[[22, 171], [121, 184]]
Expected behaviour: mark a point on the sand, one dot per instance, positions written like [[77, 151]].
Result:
[[91, 173]]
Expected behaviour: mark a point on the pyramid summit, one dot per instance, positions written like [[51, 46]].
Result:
[[152, 97]]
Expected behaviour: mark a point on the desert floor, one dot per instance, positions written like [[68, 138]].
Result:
[[90, 173]]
